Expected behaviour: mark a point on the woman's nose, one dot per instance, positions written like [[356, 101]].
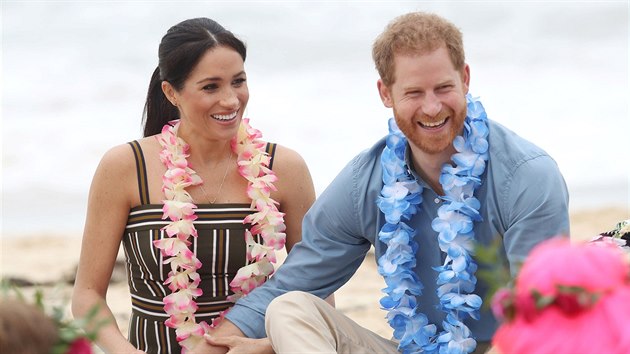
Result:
[[229, 99]]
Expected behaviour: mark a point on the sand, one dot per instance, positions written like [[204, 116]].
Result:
[[51, 259]]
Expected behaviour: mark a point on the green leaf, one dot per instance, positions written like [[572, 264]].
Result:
[[541, 300], [60, 348], [570, 289], [493, 269], [39, 299]]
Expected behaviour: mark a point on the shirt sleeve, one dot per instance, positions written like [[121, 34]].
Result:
[[536, 202], [331, 250]]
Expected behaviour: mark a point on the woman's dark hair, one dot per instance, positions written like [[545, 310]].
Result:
[[180, 50]]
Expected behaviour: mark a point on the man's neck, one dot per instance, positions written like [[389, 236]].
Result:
[[429, 166]]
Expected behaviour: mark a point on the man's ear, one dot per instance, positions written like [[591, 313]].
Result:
[[385, 93], [466, 77], [169, 92]]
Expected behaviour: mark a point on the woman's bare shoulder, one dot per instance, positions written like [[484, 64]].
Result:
[[123, 156], [119, 162], [118, 158], [292, 171], [286, 158]]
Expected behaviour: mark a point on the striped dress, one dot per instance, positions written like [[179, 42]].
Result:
[[220, 246]]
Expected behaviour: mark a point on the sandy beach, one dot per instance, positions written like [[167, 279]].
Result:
[[51, 260]]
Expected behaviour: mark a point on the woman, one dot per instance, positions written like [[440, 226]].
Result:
[[183, 200]]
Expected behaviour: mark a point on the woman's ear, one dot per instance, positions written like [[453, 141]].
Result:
[[169, 92]]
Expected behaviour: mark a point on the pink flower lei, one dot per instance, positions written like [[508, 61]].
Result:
[[268, 222]]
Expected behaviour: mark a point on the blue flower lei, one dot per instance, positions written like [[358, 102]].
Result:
[[400, 199]]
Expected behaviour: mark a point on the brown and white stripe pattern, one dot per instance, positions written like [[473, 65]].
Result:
[[220, 247]]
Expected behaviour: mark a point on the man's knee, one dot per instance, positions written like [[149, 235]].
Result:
[[289, 303], [289, 308], [299, 320]]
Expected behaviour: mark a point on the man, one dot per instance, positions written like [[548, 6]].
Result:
[[421, 196]]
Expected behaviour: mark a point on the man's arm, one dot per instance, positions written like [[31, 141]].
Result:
[[331, 250], [537, 204]]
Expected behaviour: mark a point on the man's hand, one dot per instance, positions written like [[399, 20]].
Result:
[[225, 329], [241, 345], [206, 348]]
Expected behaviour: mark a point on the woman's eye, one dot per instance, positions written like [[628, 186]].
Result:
[[238, 82], [210, 87]]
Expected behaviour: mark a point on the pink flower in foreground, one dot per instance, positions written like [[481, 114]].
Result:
[[525, 305], [557, 254], [80, 346], [584, 290], [501, 302], [570, 304]]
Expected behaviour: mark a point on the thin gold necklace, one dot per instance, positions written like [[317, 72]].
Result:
[[220, 185]]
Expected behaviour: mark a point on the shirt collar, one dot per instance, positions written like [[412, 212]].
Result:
[[411, 168]]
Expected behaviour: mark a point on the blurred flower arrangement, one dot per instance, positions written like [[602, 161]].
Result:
[[64, 335], [570, 300], [574, 295]]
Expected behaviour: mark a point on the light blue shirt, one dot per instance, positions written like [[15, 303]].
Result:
[[524, 200]]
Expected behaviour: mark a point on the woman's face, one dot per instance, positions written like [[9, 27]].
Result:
[[214, 96]]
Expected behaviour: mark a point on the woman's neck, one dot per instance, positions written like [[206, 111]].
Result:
[[205, 152]]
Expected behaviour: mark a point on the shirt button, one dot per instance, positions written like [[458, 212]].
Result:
[[436, 200]]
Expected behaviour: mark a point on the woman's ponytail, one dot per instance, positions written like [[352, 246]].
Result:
[[157, 109]]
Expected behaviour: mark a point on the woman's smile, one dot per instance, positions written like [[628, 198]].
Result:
[[225, 117]]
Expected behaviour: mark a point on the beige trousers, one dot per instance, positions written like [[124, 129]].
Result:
[[298, 322]]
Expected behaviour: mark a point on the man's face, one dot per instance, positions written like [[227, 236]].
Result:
[[428, 97]]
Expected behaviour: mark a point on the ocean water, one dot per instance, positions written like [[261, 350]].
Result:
[[74, 78]]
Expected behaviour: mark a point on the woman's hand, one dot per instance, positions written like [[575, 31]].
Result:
[[241, 345]]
